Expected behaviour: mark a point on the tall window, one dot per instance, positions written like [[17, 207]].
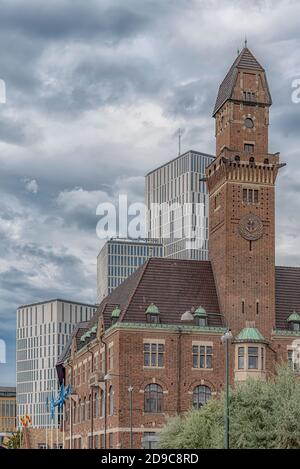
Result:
[[154, 354], [102, 403], [241, 358], [202, 356], [293, 359], [96, 404], [111, 400], [110, 357], [201, 395], [84, 409], [250, 196], [253, 358], [153, 398]]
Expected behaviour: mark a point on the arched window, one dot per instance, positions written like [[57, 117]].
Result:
[[266, 161], [237, 158], [79, 411], [251, 160], [153, 398], [111, 400], [201, 395]]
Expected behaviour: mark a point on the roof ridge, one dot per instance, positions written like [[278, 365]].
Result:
[[135, 289], [245, 60], [243, 54]]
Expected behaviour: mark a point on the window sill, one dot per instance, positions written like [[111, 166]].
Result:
[[202, 369], [153, 367]]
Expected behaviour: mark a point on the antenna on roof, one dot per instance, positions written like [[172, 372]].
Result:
[[246, 42], [238, 52], [179, 141]]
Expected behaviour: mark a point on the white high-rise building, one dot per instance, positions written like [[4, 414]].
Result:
[[43, 330], [177, 201], [119, 258]]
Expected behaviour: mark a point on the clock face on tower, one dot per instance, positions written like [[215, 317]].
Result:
[[251, 227]]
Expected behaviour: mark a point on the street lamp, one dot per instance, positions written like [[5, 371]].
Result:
[[108, 377], [225, 339]]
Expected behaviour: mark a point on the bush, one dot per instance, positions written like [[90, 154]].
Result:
[[262, 415]]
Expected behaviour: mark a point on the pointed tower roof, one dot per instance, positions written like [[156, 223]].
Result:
[[245, 60]]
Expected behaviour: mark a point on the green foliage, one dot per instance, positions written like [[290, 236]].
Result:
[[262, 415], [15, 440]]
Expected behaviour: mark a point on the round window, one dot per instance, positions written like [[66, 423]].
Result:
[[249, 123]]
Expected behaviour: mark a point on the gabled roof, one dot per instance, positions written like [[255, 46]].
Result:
[[245, 60], [78, 332], [173, 286]]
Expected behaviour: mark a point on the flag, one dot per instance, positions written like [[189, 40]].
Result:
[[52, 407]]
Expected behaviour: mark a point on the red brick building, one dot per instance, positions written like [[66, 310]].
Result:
[[154, 348]]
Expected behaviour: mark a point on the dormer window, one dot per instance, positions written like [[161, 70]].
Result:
[[152, 314], [200, 316], [115, 315], [294, 321]]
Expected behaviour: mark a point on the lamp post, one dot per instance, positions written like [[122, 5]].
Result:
[[130, 390], [226, 338]]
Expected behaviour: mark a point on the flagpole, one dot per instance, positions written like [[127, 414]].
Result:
[[51, 426], [57, 427], [71, 421], [63, 417], [47, 403]]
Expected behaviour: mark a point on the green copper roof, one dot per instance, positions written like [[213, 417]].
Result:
[[294, 317], [152, 309], [94, 330], [200, 312], [250, 334], [116, 312]]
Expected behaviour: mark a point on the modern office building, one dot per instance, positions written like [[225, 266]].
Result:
[[7, 412], [43, 329], [177, 202], [119, 258]]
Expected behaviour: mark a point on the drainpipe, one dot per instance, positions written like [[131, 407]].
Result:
[[178, 370], [105, 388], [71, 410], [92, 405]]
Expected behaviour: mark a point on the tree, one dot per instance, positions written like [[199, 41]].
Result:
[[263, 414]]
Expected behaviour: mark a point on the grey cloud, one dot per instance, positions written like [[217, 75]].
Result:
[[70, 19], [65, 61]]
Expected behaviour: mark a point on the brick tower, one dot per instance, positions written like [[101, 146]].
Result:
[[241, 184]]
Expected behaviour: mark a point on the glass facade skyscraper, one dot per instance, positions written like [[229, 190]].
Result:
[[177, 201], [119, 258], [43, 330]]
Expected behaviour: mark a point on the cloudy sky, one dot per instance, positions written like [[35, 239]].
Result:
[[96, 90]]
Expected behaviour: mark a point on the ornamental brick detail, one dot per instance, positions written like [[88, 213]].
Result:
[[251, 227]]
